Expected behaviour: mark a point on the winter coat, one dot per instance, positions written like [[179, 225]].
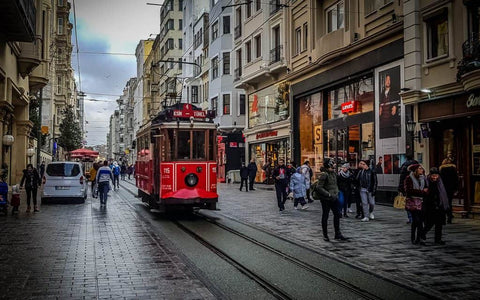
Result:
[[31, 180], [252, 170], [404, 173], [3, 191], [410, 190], [448, 173], [367, 179], [326, 186], [280, 171], [244, 172], [345, 183], [306, 171], [299, 185]]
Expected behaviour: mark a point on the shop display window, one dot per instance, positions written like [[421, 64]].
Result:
[[266, 156], [269, 105], [310, 130], [359, 94]]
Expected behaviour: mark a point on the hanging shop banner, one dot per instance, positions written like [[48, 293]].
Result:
[[389, 124]]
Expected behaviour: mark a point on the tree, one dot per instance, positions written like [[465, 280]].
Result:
[[70, 133]]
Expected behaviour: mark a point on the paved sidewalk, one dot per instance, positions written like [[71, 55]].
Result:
[[83, 252], [381, 246]]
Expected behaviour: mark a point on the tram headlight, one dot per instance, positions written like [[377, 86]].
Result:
[[191, 180]]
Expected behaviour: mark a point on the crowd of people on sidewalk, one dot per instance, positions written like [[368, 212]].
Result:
[[428, 199]]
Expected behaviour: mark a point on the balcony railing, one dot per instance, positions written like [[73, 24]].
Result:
[[471, 56], [238, 31], [30, 56], [17, 20], [238, 74], [276, 54], [275, 6]]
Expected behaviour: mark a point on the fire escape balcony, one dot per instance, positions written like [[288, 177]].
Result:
[[469, 67], [17, 20], [30, 56]]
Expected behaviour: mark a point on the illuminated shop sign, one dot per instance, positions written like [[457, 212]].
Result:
[[473, 101], [350, 106], [267, 134]]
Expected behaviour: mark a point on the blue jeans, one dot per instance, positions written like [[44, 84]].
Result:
[[103, 188]]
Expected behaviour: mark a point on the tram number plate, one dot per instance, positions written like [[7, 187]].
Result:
[[62, 188]]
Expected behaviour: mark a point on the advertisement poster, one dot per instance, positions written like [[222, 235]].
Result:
[[389, 124]]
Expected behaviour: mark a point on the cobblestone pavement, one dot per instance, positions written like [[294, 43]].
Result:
[[83, 252], [381, 246]]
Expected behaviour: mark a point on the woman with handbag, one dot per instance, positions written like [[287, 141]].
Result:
[[416, 188]]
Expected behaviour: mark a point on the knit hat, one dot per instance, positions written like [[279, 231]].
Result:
[[298, 169], [434, 170], [346, 165], [328, 163]]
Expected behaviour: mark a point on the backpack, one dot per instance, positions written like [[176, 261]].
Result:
[[116, 170]]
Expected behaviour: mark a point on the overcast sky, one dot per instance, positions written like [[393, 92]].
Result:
[[108, 26]]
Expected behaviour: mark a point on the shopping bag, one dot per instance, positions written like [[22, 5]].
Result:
[[399, 201]]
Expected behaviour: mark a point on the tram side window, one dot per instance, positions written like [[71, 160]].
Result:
[[183, 145], [211, 144], [198, 145]]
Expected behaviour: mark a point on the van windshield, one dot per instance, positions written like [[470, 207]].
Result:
[[63, 169]]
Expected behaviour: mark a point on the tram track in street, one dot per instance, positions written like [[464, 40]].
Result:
[[278, 289]]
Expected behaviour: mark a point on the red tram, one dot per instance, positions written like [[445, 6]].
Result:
[[176, 159]]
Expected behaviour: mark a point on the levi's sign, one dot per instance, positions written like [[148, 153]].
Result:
[[349, 106]]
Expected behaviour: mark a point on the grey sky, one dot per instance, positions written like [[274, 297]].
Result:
[[108, 26]]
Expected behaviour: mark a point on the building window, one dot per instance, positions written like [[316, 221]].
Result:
[[305, 36], [215, 31], [258, 46], [437, 35], [60, 25], [214, 103], [215, 67], [249, 9], [226, 24], [180, 24], [335, 17], [248, 50], [372, 5], [170, 63], [169, 44], [59, 84], [298, 40], [226, 63], [194, 94], [242, 104], [180, 44], [60, 2], [180, 64], [226, 104], [169, 24], [180, 5], [258, 5]]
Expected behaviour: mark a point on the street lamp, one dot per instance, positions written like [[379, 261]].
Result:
[[30, 153], [8, 140], [411, 128]]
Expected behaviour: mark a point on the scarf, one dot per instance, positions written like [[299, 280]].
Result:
[[442, 194], [344, 174], [418, 184]]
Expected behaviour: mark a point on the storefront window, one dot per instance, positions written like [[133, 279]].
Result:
[[359, 96], [266, 157], [268, 105], [310, 130]]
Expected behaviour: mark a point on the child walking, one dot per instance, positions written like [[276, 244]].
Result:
[[299, 185]]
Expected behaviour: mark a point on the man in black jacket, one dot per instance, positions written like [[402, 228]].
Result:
[[327, 189], [367, 181], [243, 177], [252, 173], [281, 183]]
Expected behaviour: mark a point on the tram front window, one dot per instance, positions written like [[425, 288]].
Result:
[[198, 145], [183, 145]]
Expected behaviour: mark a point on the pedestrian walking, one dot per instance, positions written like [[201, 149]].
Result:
[[116, 174], [416, 189], [308, 173], [435, 205], [448, 173], [344, 180], [31, 179], [403, 174], [367, 182], [299, 186], [130, 171], [104, 174], [4, 172], [252, 173], [281, 183], [244, 177], [42, 169], [123, 171], [93, 178], [326, 189]]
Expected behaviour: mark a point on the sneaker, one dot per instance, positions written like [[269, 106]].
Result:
[[350, 211], [365, 219], [305, 207], [28, 209], [35, 209], [310, 201], [295, 207], [372, 217]]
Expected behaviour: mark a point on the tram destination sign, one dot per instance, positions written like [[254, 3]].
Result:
[[187, 112]]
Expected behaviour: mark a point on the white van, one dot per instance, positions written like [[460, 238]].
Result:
[[64, 180]]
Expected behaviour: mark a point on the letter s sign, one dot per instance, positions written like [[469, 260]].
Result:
[[318, 134]]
